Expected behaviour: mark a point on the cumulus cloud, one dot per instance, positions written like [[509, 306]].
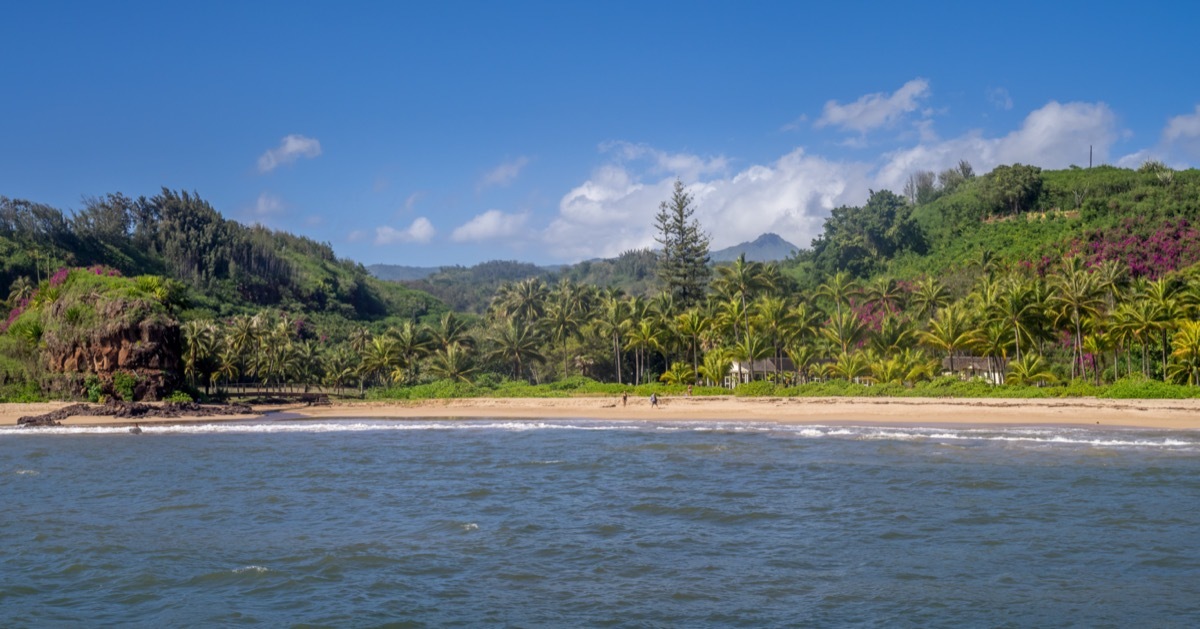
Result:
[[613, 210], [290, 149], [873, 111], [491, 225], [1055, 136], [1184, 132], [420, 231], [505, 173]]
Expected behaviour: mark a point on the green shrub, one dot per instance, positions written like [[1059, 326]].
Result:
[[758, 388], [23, 393], [1138, 387], [178, 397], [123, 384], [94, 388]]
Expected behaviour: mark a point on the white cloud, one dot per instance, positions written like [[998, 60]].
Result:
[[796, 124], [490, 225], [874, 110], [290, 149], [685, 166], [267, 205], [613, 211], [1055, 136], [1183, 127], [421, 231], [505, 173], [1184, 131], [357, 235], [412, 200], [1000, 98]]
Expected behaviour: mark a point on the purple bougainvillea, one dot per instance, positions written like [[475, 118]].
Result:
[[1147, 251]]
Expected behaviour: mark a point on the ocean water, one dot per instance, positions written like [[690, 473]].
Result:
[[355, 523]]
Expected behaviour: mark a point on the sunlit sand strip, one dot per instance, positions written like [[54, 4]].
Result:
[[1168, 414]]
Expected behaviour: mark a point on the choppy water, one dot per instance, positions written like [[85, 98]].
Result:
[[568, 523]]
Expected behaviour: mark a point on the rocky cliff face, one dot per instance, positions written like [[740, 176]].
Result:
[[145, 347]]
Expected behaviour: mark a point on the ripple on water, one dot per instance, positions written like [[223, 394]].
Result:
[[513, 523]]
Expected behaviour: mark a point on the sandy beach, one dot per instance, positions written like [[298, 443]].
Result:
[[1163, 414]]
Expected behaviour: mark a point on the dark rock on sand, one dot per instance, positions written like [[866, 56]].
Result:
[[131, 410]]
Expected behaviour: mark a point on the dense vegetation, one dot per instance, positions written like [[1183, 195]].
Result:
[[226, 267], [1074, 282]]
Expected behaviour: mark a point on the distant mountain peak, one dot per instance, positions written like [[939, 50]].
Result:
[[769, 247]]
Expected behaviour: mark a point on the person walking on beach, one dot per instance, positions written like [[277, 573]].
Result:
[[624, 398], [653, 400]]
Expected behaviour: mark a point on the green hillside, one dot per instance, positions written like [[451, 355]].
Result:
[[226, 267]]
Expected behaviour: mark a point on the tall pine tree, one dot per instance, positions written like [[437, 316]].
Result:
[[683, 262]]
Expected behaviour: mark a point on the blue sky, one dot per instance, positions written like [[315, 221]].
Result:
[[453, 133]]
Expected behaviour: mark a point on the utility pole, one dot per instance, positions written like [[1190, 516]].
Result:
[[1089, 156]]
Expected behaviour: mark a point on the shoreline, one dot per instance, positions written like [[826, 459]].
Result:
[[1077, 412]]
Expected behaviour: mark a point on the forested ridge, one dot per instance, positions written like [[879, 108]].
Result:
[[226, 267], [1071, 282]]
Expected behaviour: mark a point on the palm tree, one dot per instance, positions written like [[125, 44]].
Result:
[[20, 290], [690, 325], [844, 328], [887, 370], [949, 331], [929, 296], [451, 330], [1016, 306], [839, 289], [380, 357], [562, 322], [525, 300], [1030, 369], [199, 346], [1186, 353], [453, 362], [732, 315], [1075, 296], [803, 355], [644, 338], [679, 373], [885, 293], [753, 347], [516, 343], [612, 322], [412, 344], [308, 363], [1168, 310], [717, 364], [741, 280], [339, 369], [848, 366], [992, 342], [774, 318], [1095, 344], [893, 335], [228, 365], [1136, 320]]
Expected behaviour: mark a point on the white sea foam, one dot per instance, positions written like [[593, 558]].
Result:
[[1103, 438], [470, 526], [255, 569], [27, 472]]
